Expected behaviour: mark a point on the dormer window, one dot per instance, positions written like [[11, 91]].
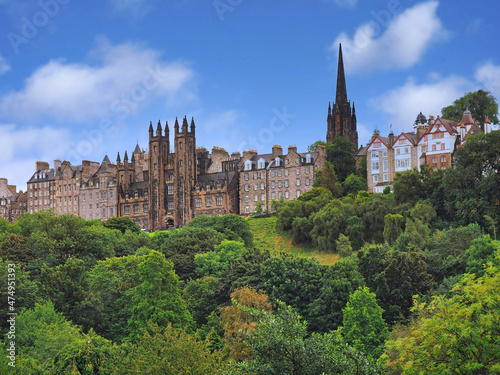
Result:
[[261, 163], [277, 161], [308, 158], [248, 165]]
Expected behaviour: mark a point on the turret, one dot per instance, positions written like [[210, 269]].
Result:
[[158, 129], [167, 130], [192, 125], [151, 129], [118, 159], [184, 125], [176, 126], [125, 158]]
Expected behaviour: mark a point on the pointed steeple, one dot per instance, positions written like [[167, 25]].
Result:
[[125, 158], [341, 96], [118, 159], [192, 125], [106, 159], [176, 125], [167, 130], [151, 129], [133, 158], [137, 149], [185, 125], [158, 129]]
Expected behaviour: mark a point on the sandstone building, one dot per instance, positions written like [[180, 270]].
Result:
[[12, 203]]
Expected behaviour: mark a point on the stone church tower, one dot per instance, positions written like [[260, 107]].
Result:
[[185, 175], [341, 120]]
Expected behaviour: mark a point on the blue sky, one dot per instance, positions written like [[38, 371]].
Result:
[[82, 79]]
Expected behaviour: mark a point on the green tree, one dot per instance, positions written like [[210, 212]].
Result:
[[363, 325], [393, 227], [200, 297], [455, 335], [214, 262], [341, 154], [327, 178], [123, 224], [168, 351], [352, 184], [482, 252], [480, 103], [344, 247], [281, 346], [157, 298]]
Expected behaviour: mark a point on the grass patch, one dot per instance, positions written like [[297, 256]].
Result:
[[267, 237]]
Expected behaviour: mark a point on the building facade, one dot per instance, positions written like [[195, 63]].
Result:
[[12, 203]]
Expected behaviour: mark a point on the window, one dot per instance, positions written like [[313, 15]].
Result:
[[170, 189], [277, 161], [407, 150], [273, 184], [298, 193], [255, 198], [96, 206], [247, 209], [298, 181], [219, 201], [280, 184], [273, 173], [248, 165], [280, 194], [247, 198], [111, 211], [385, 177], [375, 154], [384, 153], [90, 207], [385, 165], [443, 159], [297, 171], [298, 160], [273, 195], [246, 176], [256, 186], [127, 209], [287, 194], [434, 160], [308, 158], [307, 170], [307, 181], [398, 151], [423, 148], [442, 146], [262, 175], [90, 196], [261, 186], [433, 147], [375, 178], [279, 172], [261, 163], [136, 209], [145, 207], [263, 197], [255, 175], [136, 195], [286, 183], [375, 165], [403, 163], [197, 202], [437, 135], [170, 206], [208, 202]]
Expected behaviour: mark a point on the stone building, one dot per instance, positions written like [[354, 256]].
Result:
[[267, 177], [12, 203], [159, 189], [41, 188], [341, 119], [98, 192]]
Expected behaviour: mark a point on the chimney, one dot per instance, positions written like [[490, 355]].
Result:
[[277, 151], [321, 151], [235, 156], [292, 149], [391, 139], [41, 165], [57, 164], [431, 120], [249, 154], [421, 130]]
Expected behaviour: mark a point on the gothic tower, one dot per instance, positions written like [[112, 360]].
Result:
[[159, 150], [341, 121], [185, 176]]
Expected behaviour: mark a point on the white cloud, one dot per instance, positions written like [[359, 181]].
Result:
[[220, 121], [20, 147], [488, 75], [392, 39], [124, 78], [4, 65], [403, 104]]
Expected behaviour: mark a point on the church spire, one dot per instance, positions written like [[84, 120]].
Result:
[[341, 96]]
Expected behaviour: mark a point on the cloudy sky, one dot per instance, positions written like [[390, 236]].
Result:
[[79, 80]]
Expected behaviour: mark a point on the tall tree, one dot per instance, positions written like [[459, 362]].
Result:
[[341, 154], [480, 103]]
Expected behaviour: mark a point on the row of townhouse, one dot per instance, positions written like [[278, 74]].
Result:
[[433, 143]]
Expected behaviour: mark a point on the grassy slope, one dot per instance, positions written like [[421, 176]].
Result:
[[266, 237]]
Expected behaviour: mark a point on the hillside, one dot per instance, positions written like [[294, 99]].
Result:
[[267, 237]]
